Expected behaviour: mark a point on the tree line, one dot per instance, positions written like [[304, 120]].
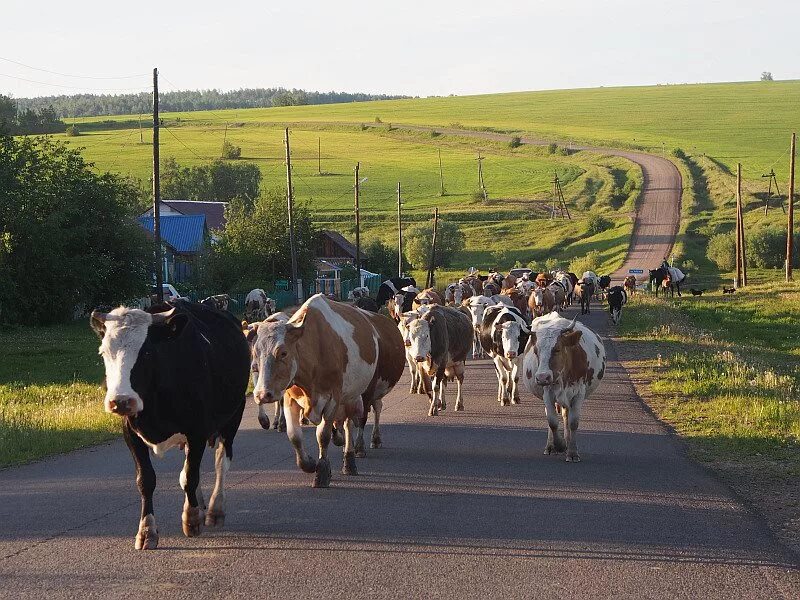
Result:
[[91, 105], [29, 120]]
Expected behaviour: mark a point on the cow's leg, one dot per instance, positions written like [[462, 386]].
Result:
[[215, 516], [322, 478], [555, 442], [442, 389], [572, 416], [351, 432], [434, 396], [295, 434], [279, 419], [147, 535], [516, 365], [376, 442], [678, 285], [414, 372], [193, 509], [501, 380], [459, 369], [263, 417]]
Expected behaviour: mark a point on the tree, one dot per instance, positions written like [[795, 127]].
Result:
[[219, 181], [766, 76], [8, 114], [253, 249], [722, 251], [68, 237], [449, 242], [381, 259]]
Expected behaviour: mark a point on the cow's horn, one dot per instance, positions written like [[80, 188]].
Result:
[[99, 316], [162, 317], [571, 325]]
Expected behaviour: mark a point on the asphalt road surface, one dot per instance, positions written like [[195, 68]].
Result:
[[457, 506]]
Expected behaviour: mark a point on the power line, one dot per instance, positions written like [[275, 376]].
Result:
[[181, 142], [72, 76], [72, 87]]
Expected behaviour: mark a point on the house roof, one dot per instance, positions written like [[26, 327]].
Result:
[[183, 233], [338, 239], [213, 211]]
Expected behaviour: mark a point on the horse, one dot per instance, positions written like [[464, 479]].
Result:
[[673, 276]]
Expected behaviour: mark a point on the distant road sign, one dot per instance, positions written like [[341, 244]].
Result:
[[636, 271]]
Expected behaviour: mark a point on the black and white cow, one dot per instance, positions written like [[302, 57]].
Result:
[[177, 374], [617, 298], [504, 334], [391, 287], [220, 301]]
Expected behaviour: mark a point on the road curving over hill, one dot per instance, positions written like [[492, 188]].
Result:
[[658, 212]]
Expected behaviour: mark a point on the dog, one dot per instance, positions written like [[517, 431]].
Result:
[[696, 292], [728, 290]]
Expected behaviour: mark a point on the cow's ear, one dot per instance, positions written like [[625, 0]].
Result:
[[571, 338], [294, 331], [98, 323], [171, 323]]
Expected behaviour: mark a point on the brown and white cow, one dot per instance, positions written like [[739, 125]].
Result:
[[518, 299], [329, 350], [564, 363], [541, 301], [456, 293], [426, 297], [630, 285], [440, 341]]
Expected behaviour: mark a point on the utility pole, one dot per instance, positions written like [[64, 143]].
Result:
[[290, 207], [559, 203], [429, 281], [399, 233], [319, 156], [358, 228], [141, 135], [480, 178], [741, 262], [441, 174], [790, 218], [772, 178], [224, 139], [157, 195]]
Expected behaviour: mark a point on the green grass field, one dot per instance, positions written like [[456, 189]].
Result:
[[50, 397]]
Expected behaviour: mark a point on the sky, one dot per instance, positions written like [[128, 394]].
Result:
[[411, 47]]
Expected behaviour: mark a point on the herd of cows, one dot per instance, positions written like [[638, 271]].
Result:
[[178, 373]]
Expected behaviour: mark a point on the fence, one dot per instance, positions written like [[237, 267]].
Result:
[[341, 288]]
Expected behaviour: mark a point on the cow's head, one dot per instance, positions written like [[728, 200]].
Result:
[[275, 359], [418, 338], [510, 333], [127, 337], [552, 346], [477, 307]]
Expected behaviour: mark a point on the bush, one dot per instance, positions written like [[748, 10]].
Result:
[[552, 147], [679, 154], [766, 248], [598, 224], [515, 142], [590, 262], [449, 241], [722, 251], [73, 131], [230, 151]]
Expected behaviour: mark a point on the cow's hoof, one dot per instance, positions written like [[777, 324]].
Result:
[[282, 427], [323, 477], [376, 442], [515, 400], [459, 407], [573, 457], [338, 437], [433, 413], [192, 521], [307, 464], [263, 420], [359, 448], [443, 405], [349, 464], [147, 536], [215, 518]]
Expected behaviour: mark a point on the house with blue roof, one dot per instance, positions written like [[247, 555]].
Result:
[[182, 239]]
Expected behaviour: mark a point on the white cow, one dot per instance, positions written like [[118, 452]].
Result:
[[417, 377], [563, 364], [359, 292], [476, 306]]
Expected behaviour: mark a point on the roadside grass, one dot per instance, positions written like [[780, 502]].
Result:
[[723, 371], [50, 397]]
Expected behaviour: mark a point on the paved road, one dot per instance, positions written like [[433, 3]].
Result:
[[463, 506]]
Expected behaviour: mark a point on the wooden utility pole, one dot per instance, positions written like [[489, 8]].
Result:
[[772, 179], [741, 261], [480, 178], [290, 208], [399, 233], [441, 174], [141, 135], [790, 218], [224, 139], [319, 156], [157, 195], [429, 281], [358, 228]]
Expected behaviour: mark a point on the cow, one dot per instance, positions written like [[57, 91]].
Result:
[[219, 302], [541, 301], [565, 281], [603, 282], [392, 286], [504, 334], [426, 296], [388, 370], [564, 363], [329, 351], [366, 303], [257, 305], [418, 383], [359, 292], [617, 298], [177, 375], [402, 302], [559, 295], [476, 306], [456, 293], [630, 285], [474, 282], [518, 299], [509, 282], [490, 288], [585, 290], [440, 341], [525, 286]]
